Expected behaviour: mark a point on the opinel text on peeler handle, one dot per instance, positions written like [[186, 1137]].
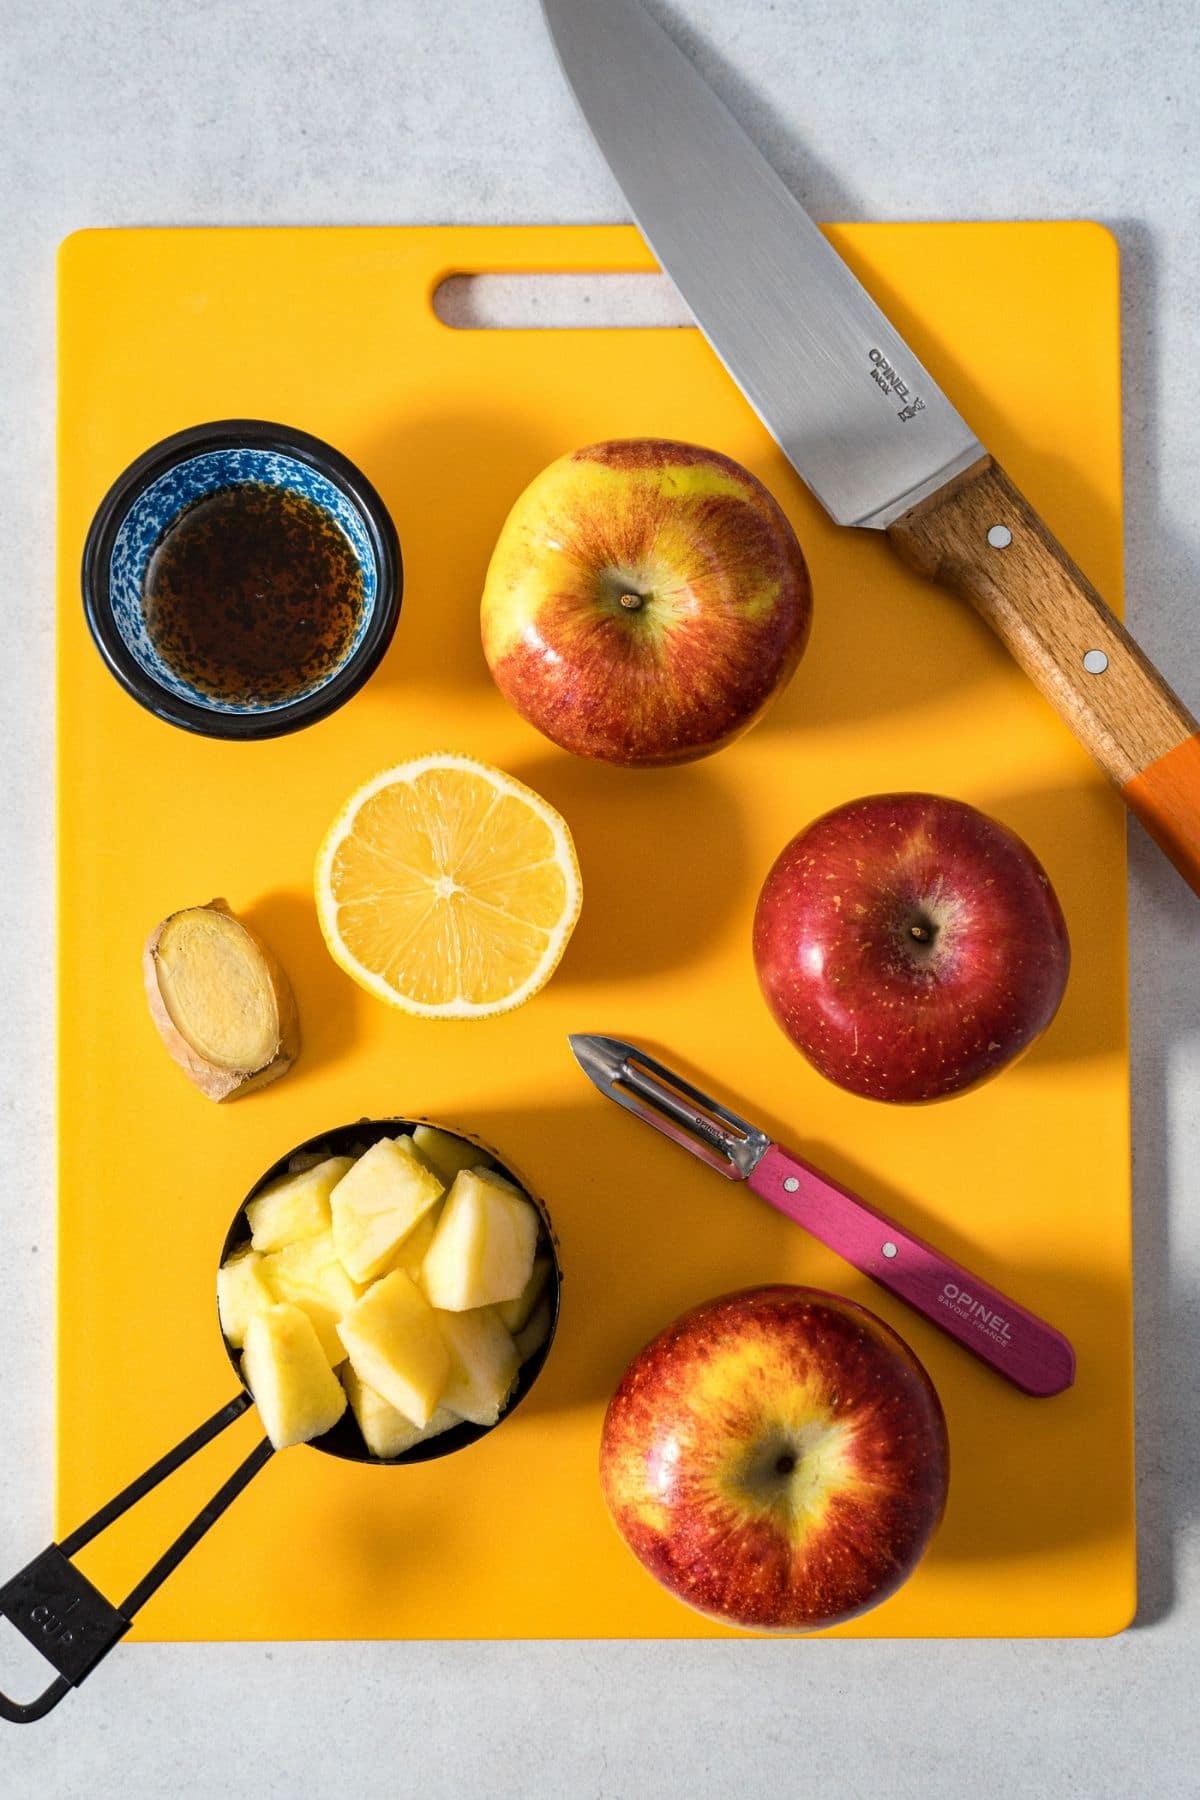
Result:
[[980, 537], [1015, 1342]]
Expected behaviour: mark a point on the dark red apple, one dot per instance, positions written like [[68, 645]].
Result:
[[910, 946], [777, 1458], [645, 602]]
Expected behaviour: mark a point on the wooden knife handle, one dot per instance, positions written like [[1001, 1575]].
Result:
[[980, 537]]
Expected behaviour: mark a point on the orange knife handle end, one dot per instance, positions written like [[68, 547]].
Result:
[[1166, 798], [979, 537]]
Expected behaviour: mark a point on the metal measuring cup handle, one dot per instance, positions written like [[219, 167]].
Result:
[[65, 1616]]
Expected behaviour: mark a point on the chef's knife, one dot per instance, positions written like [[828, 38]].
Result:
[[866, 427], [1031, 1354]]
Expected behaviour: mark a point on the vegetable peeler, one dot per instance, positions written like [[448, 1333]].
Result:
[[1016, 1343]]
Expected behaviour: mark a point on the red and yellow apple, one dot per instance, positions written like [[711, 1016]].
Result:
[[910, 946], [776, 1458], [645, 602]]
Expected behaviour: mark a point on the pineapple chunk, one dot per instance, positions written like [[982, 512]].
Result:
[[387, 1432], [532, 1336], [483, 1248], [486, 1172], [515, 1313], [413, 1251], [312, 1265], [242, 1291], [483, 1364], [393, 1341], [295, 1206], [377, 1204], [309, 1275], [446, 1154], [297, 1394]]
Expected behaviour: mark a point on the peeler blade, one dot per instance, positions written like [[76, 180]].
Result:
[[652, 1092]]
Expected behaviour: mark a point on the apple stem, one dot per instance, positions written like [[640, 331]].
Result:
[[631, 602], [922, 933]]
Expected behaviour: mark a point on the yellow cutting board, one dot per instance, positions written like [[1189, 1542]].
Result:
[[1027, 1180]]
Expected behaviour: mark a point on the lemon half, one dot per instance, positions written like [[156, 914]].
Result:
[[447, 888]]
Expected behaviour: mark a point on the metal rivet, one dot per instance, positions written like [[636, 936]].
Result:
[[999, 537], [889, 1249], [1095, 662], [790, 1185]]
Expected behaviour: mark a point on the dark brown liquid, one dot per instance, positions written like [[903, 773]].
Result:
[[253, 594]]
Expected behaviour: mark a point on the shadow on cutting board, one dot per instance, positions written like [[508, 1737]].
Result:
[[325, 997], [485, 460], [644, 837], [886, 640], [1090, 1020]]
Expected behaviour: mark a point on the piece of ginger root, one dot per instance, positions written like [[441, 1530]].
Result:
[[222, 1005]]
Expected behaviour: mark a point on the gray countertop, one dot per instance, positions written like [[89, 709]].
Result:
[[386, 111]]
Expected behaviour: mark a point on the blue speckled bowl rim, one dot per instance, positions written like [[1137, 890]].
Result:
[[283, 440]]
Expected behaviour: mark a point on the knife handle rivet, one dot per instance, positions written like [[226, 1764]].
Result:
[[889, 1249], [790, 1185], [1095, 662], [999, 537]]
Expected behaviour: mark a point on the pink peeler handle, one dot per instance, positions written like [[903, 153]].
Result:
[[1017, 1344]]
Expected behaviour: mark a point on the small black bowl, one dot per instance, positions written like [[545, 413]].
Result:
[[170, 476], [345, 1439]]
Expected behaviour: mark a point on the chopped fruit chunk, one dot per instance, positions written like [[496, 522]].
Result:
[[532, 1336], [513, 1314], [309, 1275], [387, 1432], [312, 1266], [295, 1206], [378, 1202], [485, 1172], [447, 1154], [296, 1392], [483, 1364], [483, 1248], [242, 1291], [412, 1252], [393, 1341]]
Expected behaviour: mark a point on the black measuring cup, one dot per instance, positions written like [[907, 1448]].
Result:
[[67, 1618]]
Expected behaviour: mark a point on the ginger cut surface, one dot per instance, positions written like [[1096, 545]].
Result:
[[221, 1003]]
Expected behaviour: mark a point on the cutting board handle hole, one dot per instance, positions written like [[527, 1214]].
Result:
[[558, 302]]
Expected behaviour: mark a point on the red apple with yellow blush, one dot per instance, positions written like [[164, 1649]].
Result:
[[645, 602], [777, 1459]]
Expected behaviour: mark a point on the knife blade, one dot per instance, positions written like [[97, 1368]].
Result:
[[863, 423], [1027, 1351]]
